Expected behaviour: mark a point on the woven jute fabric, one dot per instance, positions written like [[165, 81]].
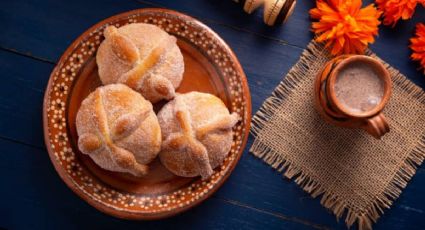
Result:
[[356, 175]]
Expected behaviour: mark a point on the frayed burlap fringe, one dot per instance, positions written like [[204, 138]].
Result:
[[365, 218]]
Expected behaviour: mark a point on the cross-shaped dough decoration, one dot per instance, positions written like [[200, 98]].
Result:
[[189, 139], [127, 52], [104, 136]]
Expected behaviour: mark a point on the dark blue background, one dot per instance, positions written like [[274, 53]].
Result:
[[35, 33]]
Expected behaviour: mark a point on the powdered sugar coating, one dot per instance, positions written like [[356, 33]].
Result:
[[204, 110], [60, 142], [99, 116], [145, 37]]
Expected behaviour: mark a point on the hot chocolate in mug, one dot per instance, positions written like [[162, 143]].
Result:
[[352, 90]]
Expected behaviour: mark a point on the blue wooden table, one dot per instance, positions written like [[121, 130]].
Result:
[[34, 33]]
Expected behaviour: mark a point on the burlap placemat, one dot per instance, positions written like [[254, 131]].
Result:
[[356, 174]]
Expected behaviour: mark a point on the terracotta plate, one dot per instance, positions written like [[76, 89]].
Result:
[[210, 66]]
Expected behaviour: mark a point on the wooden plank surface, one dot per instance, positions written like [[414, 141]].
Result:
[[35, 198], [35, 33]]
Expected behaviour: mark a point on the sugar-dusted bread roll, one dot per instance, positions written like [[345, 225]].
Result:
[[118, 129], [142, 56], [196, 133]]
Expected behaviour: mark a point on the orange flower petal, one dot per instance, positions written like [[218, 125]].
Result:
[[417, 45], [344, 26], [394, 10]]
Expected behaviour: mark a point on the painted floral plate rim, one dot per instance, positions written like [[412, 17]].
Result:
[[98, 194]]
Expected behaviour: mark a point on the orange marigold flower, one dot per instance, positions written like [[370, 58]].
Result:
[[418, 45], [344, 25], [396, 9]]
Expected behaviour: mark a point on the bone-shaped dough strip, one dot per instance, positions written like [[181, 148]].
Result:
[[200, 156], [126, 160], [198, 150], [223, 123], [120, 156], [132, 77], [123, 47], [90, 143], [127, 124]]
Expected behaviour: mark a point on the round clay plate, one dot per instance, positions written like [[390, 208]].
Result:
[[210, 66]]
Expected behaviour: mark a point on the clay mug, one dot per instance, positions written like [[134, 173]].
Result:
[[335, 112]]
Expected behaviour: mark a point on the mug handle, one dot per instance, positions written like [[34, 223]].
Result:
[[377, 126]]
